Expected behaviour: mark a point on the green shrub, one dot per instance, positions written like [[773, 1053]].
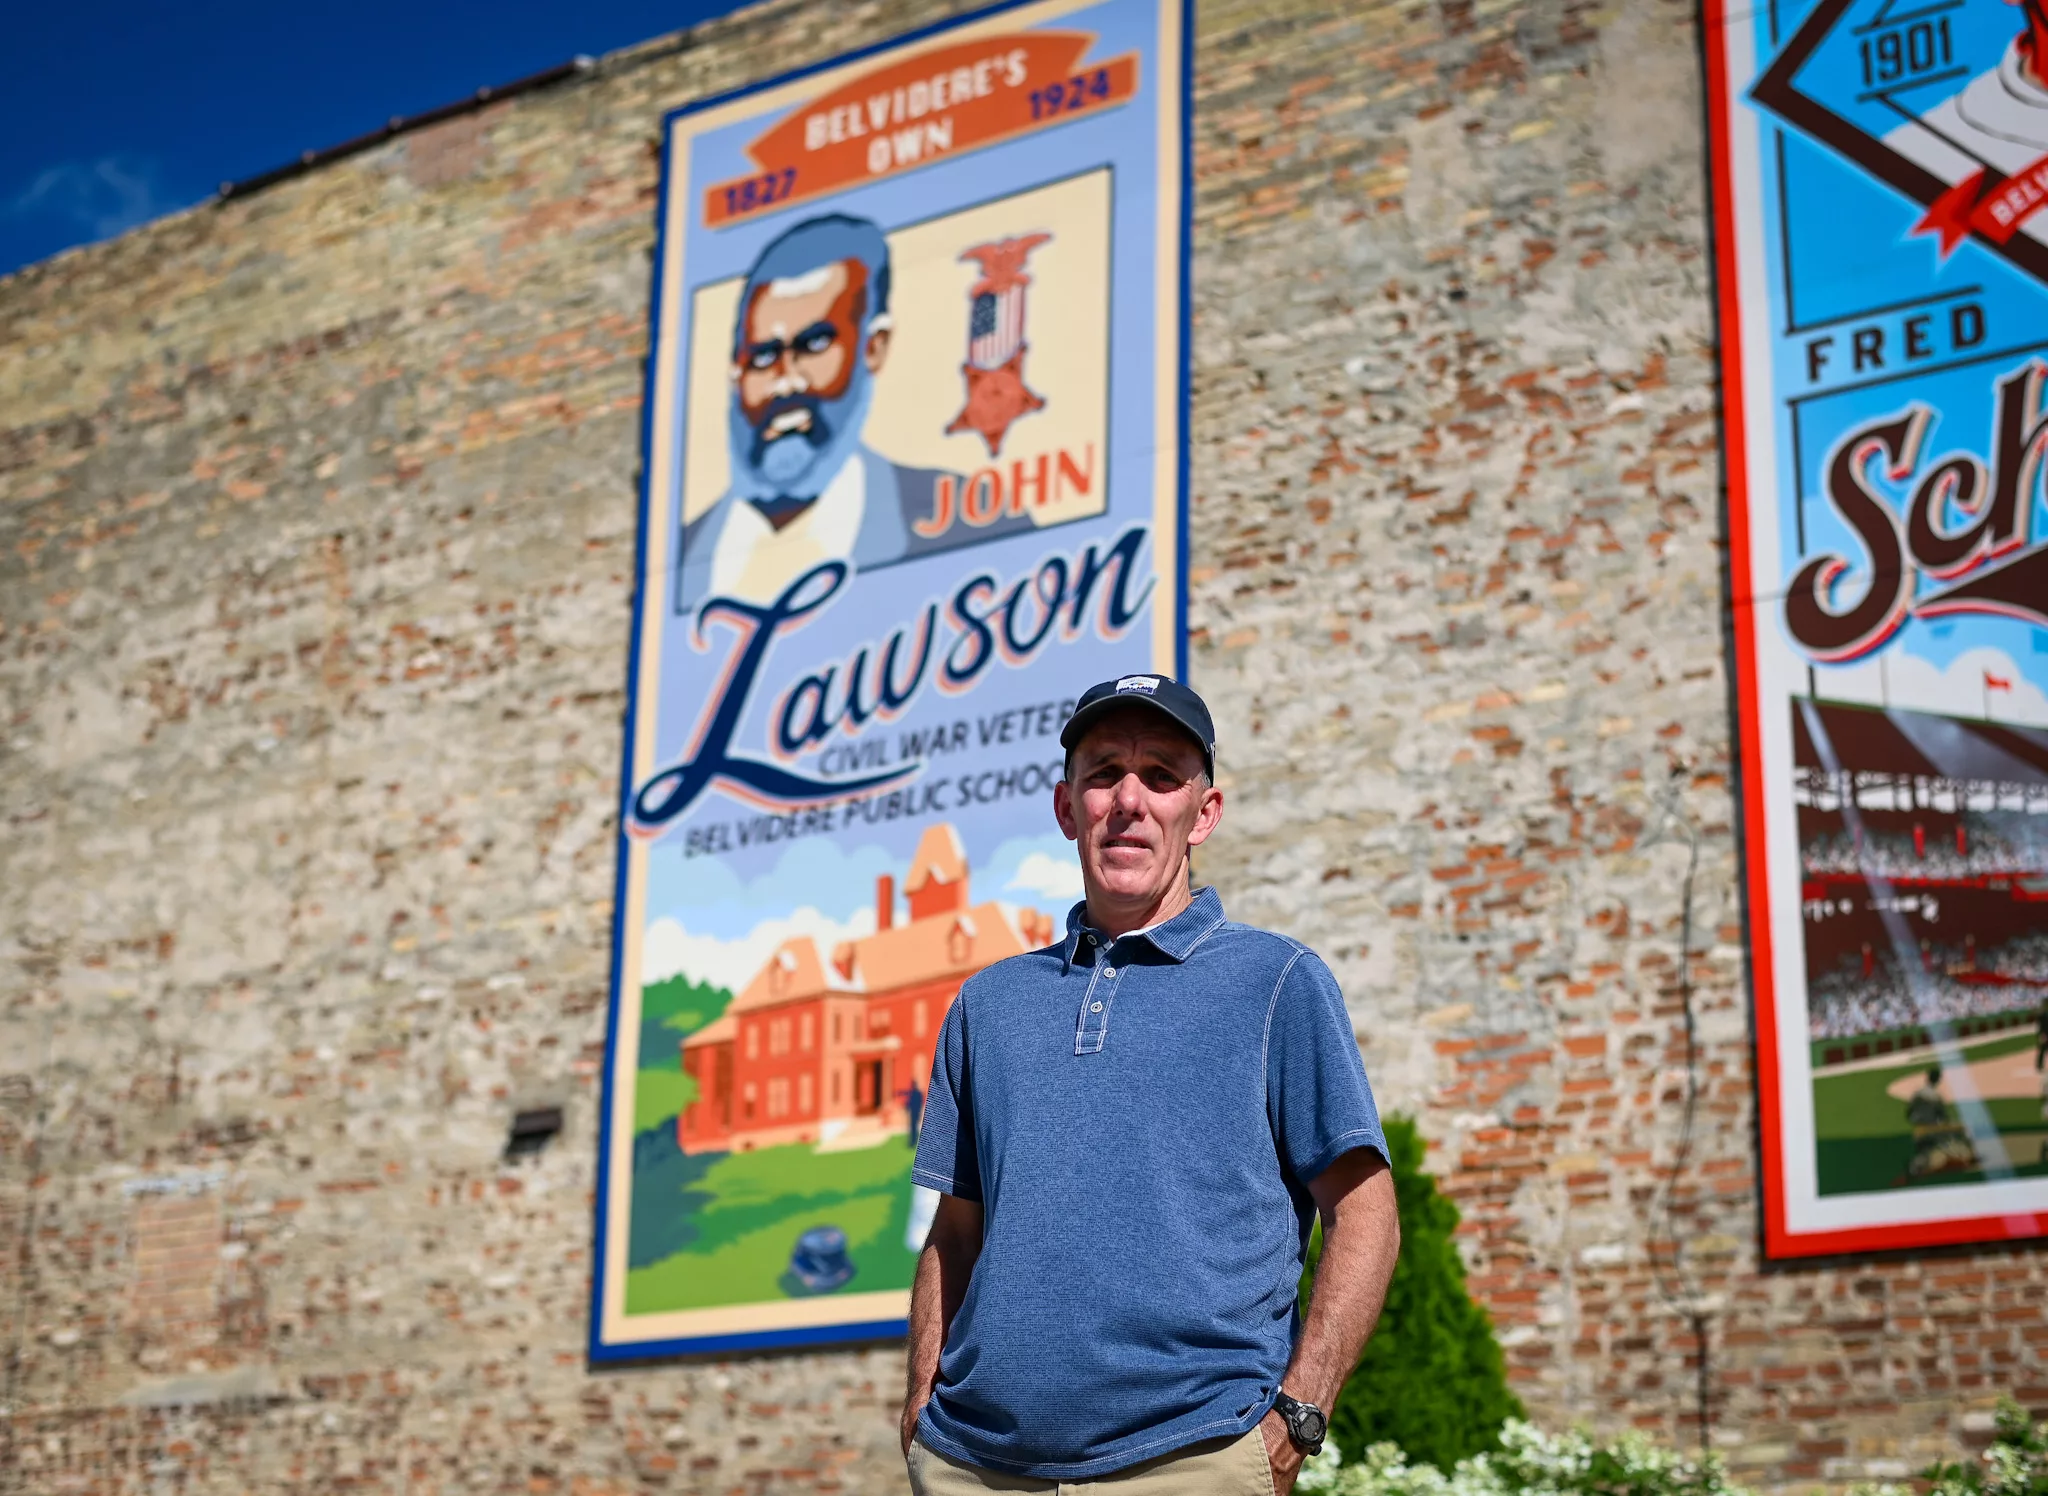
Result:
[[1527, 1461], [1431, 1381]]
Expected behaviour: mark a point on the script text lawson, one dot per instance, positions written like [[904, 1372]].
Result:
[[953, 643]]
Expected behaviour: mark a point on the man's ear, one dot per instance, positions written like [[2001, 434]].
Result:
[[877, 350], [1207, 817], [1063, 810]]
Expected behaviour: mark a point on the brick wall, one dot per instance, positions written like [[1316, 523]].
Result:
[[316, 533]]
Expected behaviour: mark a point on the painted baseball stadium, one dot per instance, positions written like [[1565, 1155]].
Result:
[[1924, 855]]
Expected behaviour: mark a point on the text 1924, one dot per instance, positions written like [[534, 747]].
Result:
[[1073, 94]]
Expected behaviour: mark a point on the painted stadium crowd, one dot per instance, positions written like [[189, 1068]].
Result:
[[1982, 846], [1872, 993]]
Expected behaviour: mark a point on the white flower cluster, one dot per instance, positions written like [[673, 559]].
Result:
[[1528, 1463], [2010, 1468], [2016, 1464]]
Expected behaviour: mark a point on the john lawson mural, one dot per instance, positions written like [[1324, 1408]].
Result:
[[1880, 176], [912, 474]]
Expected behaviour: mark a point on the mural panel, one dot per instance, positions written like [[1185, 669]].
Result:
[[913, 480], [1880, 180]]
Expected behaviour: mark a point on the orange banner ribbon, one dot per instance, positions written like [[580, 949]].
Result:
[[931, 107], [1979, 205]]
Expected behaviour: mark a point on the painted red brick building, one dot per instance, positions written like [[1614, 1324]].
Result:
[[815, 1048]]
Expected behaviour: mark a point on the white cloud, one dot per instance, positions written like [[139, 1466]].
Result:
[[106, 197], [1048, 877], [670, 949], [1957, 689], [728, 896]]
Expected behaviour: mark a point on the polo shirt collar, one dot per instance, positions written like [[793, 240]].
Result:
[[1175, 938]]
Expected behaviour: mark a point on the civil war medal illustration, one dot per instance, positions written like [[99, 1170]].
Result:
[[994, 371]]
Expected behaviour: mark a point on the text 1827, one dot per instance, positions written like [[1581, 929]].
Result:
[[759, 192]]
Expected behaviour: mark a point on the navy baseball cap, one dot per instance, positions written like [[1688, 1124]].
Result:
[[1162, 694]]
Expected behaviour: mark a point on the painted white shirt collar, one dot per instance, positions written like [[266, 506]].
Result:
[[753, 561]]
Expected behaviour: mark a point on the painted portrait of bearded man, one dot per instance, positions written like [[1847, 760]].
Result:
[[810, 340]]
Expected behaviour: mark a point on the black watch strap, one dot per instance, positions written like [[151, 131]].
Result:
[[1306, 1424]]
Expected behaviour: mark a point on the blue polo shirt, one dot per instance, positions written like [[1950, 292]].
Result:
[[1138, 1119]]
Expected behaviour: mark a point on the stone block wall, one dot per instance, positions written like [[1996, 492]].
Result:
[[316, 550]]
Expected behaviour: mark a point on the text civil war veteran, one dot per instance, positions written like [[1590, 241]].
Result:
[[1132, 1133], [810, 339]]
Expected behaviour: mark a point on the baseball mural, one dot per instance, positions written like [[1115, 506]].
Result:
[[1880, 173]]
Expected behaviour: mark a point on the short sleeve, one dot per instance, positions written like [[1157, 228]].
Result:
[[1317, 1097], [946, 1157]]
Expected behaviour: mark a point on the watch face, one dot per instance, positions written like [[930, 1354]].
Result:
[[1313, 1425]]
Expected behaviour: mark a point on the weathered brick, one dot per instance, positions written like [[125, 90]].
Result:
[[316, 550]]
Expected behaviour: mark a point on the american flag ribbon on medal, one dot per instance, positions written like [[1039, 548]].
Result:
[[995, 328]]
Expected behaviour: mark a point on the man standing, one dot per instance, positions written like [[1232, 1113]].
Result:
[[1132, 1133], [1940, 1143], [913, 1108]]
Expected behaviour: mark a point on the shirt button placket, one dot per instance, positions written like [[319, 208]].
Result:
[[1089, 1037]]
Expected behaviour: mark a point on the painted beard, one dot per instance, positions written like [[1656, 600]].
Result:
[[785, 441], [795, 458]]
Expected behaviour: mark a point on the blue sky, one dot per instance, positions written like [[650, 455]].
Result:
[[120, 112], [1038, 869], [713, 926]]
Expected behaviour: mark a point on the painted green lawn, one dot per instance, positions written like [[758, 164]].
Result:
[[1856, 1106], [745, 1211], [1863, 1143]]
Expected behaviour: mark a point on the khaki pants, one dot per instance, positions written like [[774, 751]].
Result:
[[1219, 1467]]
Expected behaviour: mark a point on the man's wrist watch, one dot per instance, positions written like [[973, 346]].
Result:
[[1306, 1424]]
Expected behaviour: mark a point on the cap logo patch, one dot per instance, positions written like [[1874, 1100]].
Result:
[[1145, 683]]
